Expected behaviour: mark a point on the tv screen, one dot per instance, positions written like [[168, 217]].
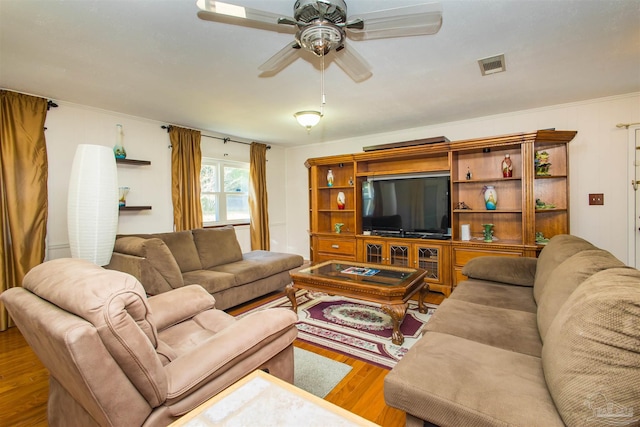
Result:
[[416, 203]]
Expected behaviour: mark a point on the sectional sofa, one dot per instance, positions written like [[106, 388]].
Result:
[[547, 342], [209, 257]]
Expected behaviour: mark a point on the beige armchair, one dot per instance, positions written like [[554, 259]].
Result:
[[118, 358]]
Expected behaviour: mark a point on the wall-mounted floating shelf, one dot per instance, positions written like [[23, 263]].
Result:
[[133, 162], [134, 208]]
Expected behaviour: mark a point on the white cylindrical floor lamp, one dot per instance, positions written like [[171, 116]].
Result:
[[92, 205]]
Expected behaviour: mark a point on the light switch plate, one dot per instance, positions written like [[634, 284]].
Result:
[[596, 199]]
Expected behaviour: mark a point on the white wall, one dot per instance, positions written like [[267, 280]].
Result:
[[71, 124], [598, 163]]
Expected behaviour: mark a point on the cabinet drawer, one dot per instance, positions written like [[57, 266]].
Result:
[[462, 256], [337, 246]]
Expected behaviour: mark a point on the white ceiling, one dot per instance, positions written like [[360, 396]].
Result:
[[156, 59]]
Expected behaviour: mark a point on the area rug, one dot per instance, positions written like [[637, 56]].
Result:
[[317, 374], [353, 327]]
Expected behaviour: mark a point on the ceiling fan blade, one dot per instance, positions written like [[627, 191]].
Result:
[[353, 64], [282, 59], [213, 10], [415, 20]]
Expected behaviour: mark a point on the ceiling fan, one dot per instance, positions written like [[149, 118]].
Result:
[[322, 26]]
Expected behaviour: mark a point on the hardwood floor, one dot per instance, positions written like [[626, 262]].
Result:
[[24, 381]]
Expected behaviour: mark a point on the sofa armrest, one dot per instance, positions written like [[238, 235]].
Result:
[[148, 260], [180, 304], [232, 346], [519, 271]]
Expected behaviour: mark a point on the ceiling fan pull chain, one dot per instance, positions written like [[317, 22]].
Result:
[[322, 95]]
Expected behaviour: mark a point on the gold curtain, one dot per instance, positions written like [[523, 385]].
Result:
[[258, 205], [186, 159], [23, 188]]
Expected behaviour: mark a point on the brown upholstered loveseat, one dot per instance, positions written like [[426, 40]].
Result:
[[547, 342], [209, 257]]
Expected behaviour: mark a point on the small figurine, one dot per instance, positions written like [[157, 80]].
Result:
[[540, 239], [542, 205], [468, 173], [541, 163], [507, 167]]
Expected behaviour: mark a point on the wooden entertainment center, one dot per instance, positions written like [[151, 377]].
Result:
[[531, 201]]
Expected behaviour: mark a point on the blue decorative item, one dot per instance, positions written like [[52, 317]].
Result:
[[490, 197], [118, 149]]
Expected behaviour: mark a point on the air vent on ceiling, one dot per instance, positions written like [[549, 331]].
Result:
[[492, 65]]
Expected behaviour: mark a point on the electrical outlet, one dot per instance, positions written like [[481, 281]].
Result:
[[596, 199]]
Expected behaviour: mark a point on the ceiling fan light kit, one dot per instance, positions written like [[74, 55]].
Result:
[[322, 26], [308, 119]]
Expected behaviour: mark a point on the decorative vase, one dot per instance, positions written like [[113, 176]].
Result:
[[341, 200], [118, 149], [338, 227], [122, 196], [330, 178], [490, 197], [507, 167], [488, 232]]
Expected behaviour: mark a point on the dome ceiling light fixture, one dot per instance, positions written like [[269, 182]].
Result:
[[308, 119]]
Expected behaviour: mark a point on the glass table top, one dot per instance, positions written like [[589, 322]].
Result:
[[381, 275]]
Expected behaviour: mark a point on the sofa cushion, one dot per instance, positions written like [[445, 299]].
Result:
[[495, 295], [452, 381], [558, 249], [511, 270], [565, 278], [257, 265], [217, 246], [511, 330], [591, 351], [212, 281], [275, 262], [183, 248]]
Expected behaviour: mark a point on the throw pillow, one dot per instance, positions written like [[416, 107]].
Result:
[[217, 246]]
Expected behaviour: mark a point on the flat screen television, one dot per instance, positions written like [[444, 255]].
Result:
[[407, 204]]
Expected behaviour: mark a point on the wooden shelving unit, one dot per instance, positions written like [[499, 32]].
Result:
[[516, 220]]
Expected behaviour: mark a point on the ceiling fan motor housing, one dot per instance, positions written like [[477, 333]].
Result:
[[319, 22], [307, 11]]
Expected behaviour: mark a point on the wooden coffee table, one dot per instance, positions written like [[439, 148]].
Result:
[[387, 285]]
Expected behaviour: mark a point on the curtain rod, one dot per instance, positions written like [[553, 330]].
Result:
[[224, 140], [626, 125]]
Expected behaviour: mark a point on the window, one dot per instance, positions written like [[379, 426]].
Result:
[[224, 191]]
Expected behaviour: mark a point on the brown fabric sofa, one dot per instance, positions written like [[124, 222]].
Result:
[[118, 358], [547, 342], [211, 258]]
